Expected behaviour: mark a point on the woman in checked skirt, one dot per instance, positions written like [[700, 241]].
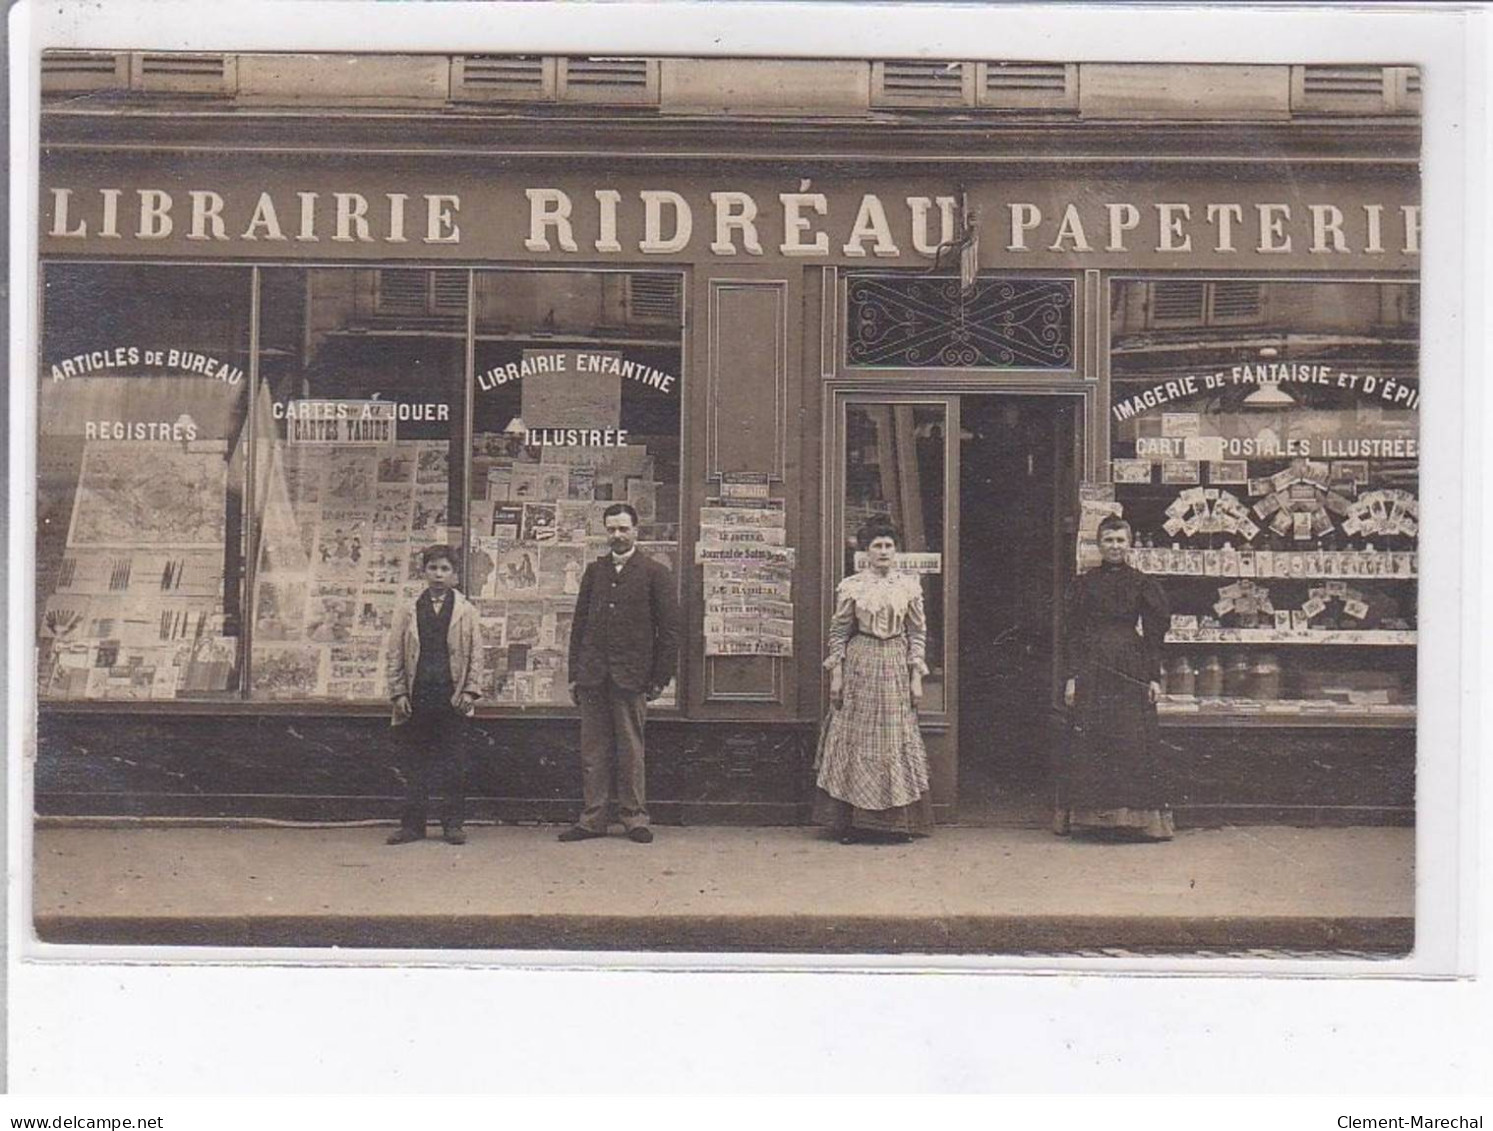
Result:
[[873, 769]]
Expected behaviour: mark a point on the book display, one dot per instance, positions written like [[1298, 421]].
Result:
[[536, 523], [136, 611]]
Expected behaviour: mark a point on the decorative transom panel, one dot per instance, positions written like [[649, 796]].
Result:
[[923, 321]]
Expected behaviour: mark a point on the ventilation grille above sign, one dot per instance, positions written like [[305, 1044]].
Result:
[[912, 83], [502, 78], [182, 73], [1339, 88], [1028, 86], [84, 70], [609, 81]]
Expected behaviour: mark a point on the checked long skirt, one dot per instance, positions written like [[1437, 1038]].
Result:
[[872, 766]]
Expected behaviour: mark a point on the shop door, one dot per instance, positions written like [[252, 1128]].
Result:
[[898, 459], [1017, 485], [982, 488]]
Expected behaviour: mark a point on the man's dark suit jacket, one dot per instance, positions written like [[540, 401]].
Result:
[[626, 625]]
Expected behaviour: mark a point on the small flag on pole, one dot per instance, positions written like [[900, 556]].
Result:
[[969, 255]]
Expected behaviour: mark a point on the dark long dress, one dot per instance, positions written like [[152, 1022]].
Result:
[[1116, 774]]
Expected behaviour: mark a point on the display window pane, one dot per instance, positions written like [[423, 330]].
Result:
[[142, 452], [895, 460], [1265, 448], [360, 402], [576, 405]]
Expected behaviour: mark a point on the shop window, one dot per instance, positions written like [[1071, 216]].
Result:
[[142, 455], [1272, 480], [926, 321], [355, 426], [576, 406], [895, 456]]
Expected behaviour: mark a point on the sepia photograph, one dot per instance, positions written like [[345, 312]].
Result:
[[1083, 339], [530, 516]]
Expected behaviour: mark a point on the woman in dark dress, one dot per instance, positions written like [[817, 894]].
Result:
[[1117, 778]]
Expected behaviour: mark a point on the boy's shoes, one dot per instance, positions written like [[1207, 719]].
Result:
[[575, 833], [404, 836], [640, 835], [454, 834]]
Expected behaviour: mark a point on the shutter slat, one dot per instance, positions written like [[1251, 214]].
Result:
[[654, 297], [1177, 302], [1236, 300]]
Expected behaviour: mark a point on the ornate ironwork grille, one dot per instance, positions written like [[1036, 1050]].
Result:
[[922, 321]]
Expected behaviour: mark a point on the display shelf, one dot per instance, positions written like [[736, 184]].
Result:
[[1379, 637], [1244, 719], [1384, 570]]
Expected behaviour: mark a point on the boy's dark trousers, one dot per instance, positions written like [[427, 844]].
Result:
[[433, 757]]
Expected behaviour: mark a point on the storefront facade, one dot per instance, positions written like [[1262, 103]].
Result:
[[281, 352]]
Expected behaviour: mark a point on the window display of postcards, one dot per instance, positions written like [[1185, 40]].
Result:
[[1243, 603], [1208, 510], [363, 516]]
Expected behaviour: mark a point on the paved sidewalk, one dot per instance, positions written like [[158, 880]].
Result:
[[965, 890]]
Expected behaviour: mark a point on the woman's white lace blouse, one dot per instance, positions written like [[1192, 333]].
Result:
[[880, 606]]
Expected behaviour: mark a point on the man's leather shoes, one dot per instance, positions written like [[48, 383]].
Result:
[[404, 836], [640, 835], [455, 834], [575, 832]]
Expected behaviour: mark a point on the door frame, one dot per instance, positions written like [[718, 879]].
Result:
[[947, 388]]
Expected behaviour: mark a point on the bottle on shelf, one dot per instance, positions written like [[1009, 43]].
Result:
[[1182, 678], [1210, 677], [1238, 677], [1265, 677]]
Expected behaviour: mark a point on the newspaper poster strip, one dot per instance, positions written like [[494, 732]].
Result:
[[748, 569]]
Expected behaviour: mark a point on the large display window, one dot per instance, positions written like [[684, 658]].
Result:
[[499, 412], [1265, 449], [576, 405], [360, 401], [141, 475]]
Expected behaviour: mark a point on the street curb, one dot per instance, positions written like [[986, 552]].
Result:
[[1390, 936]]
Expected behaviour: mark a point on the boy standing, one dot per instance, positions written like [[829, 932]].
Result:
[[435, 678]]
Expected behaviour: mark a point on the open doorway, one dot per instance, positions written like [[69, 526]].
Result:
[[1017, 487]]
